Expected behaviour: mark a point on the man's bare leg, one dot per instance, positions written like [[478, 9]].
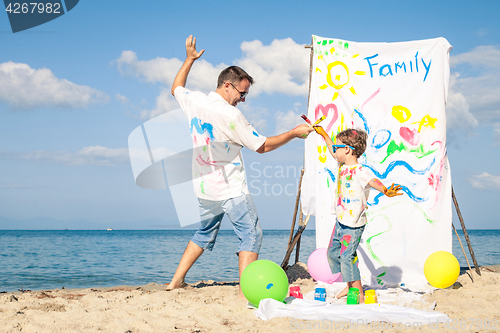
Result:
[[245, 258], [191, 254]]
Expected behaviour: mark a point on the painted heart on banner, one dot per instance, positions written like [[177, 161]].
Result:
[[330, 112], [410, 136]]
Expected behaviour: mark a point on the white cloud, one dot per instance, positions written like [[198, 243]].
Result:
[[458, 115], [482, 32], [92, 155], [496, 134], [282, 66], [122, 99], [485, 181], [164, 102], [203, 75], [288, 120], [481, 56], [481, 86], [256, 115], [23, 87]]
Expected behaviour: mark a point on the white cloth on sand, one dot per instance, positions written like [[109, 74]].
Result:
[[394, 306], [362, 313]]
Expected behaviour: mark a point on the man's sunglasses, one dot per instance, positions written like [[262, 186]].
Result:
[[242, 93], [335, 147]]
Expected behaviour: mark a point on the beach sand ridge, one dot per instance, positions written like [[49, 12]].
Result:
[[208, 306]]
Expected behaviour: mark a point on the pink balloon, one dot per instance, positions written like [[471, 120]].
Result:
[[319, 269]]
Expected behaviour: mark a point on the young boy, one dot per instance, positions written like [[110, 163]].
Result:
[[353, 188]]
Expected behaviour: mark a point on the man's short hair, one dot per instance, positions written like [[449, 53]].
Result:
[[355, 138], [233, 74]]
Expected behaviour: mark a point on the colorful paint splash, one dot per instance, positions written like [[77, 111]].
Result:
[[202, 128], [404, 164], [418, 152], [327, 111], [322, 154], [401, 113], [344, 243]]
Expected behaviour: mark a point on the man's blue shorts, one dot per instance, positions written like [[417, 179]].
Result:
[[242, 213]]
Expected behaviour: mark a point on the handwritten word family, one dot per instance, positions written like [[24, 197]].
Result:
[[408, 66]]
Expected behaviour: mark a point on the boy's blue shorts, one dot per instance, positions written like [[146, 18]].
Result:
[[341, 252]]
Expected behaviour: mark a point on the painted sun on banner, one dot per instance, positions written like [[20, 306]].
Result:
[[396, 92]]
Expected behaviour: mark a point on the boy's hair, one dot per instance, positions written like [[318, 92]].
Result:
[[233, 74], [355, 138]]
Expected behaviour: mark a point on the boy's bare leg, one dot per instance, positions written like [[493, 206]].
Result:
[[357, 284], [191, 254], [353, 284], [344, 292], [245, 258]]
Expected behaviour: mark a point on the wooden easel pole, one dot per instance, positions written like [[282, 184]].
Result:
[[466, 235], [465, 255], [295, 239], [296, 207], [297, 248]]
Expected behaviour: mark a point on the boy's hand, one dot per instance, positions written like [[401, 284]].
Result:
[[393, 191], [320, 131]]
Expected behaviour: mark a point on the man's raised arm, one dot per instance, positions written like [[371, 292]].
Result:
[[191, 56]]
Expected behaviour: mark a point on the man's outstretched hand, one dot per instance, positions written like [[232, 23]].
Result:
[[302, 131], [191, 48], [393, 190]]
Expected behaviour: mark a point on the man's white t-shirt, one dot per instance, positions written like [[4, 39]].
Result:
[[352, 195], [219, 131]]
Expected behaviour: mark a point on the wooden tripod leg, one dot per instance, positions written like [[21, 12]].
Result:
[[465, 232]]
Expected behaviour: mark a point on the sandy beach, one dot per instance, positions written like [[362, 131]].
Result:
[[210, 306]]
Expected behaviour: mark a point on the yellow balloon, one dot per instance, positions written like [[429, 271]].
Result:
[[441, 269]]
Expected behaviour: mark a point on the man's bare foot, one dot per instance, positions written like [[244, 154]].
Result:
[[176, 285], [343, 292]]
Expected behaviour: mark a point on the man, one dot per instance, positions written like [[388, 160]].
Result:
[[219, 130]]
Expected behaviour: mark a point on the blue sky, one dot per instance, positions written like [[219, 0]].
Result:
[[73, 89]]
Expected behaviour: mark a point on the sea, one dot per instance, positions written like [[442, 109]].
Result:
[[49, 259]]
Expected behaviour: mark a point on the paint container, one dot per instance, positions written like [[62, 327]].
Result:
[[320, 294], [353, 296], [370, 297], [295, 292]]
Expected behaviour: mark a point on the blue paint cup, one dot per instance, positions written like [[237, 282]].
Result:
[[320, 294]]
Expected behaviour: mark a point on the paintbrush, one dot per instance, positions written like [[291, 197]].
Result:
[[319, 120], [306, 119]]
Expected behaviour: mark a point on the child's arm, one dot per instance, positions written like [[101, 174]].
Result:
[[390, 192], [325, 136]]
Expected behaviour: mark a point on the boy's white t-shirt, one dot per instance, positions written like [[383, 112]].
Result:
[[219, 131], [352, 195]]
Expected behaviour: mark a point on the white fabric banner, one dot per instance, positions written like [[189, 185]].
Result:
[[396, 92]]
